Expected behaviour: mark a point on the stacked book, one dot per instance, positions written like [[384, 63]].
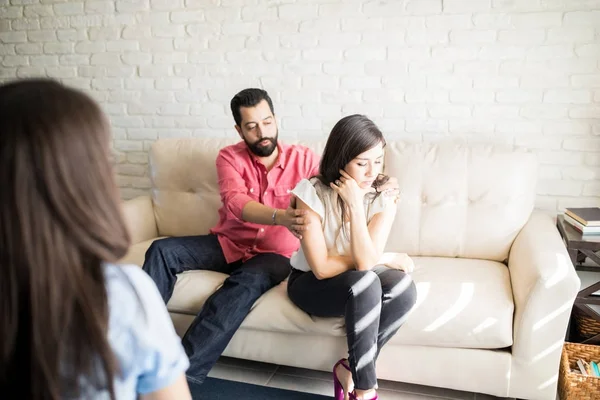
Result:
[[585, 220]]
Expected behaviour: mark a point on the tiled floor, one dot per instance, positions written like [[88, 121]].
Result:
[[305, 380]]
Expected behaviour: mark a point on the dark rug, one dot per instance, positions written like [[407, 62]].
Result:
[[220, 389]]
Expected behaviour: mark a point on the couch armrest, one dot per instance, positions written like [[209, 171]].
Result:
[[140, 220], [544, 285]]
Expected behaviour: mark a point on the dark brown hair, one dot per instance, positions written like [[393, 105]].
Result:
[[60, 219], [248, 98], [350, 137]]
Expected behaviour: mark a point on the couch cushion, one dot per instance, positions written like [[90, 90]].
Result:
[[461, 303]]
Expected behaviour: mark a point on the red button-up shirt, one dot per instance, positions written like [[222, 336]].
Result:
[[242, 178]]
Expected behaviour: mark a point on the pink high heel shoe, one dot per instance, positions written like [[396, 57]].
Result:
[[352, 396], [338, 389]]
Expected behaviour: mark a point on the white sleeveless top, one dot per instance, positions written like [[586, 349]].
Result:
[[324, 201]]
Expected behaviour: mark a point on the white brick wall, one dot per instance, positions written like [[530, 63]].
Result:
[[524, 72]]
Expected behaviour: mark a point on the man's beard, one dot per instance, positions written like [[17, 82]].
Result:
[[263, 151]]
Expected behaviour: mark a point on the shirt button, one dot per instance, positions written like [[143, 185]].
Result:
[[251, 190], [288, 190], [262, 229]]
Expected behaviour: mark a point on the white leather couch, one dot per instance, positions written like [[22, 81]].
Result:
[[495, 284]]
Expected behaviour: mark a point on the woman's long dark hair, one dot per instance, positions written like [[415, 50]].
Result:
[[350, 137], [60, 219]]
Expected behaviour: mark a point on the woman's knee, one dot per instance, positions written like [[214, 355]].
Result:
[[399, 285], [365, 283]]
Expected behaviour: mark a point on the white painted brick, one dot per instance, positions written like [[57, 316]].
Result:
[[426, 126], [188, 70], [544, 81], [502, 52], [58, 48], [365, 53], [15, 61], [13, 37], [155, 71], [208, 109], [582, 144], [568, 96], [28, 48], [344, 68], [69, 8], [571, 35], [405, 111], [5, 25], [537, 20], [41, 61], [168, 31], [476, 68], [495, 21], [449, 54], [90, 47], [550, 52], [37, 10], [475, 96], [259, 13], [495, 112], [105, 59], [143, 109], [24, 72], [321, 55], [582, 18], [174, 109], [269, 43], [422, 7], [470, 126], [52, 23], [231, 43], [108, 84], [154, 18], [590, 112], [586, 81], [139, 84], [581, 173], [383, 8], [194, 96], [25, 24], [380, 39], [132, 5], [114, 109], [86, 21], [169, 58], [342, 40], [187, 16], [362, 24], [316, 26], [120, 71], [61, 72], [396, 24], [320, 82], [321, 110], [131, 169], [91, 72], [338, 9], [408, 53], [282, 56], [363, 82], [222, 14], [549, 172], [99, 7], [41, 36], [73, 60], [516, 96], [449, 22], [6, 49], [518, 127], [156, 45], [137, 158], [588, 50], [297, 11], [564, 128], [449, 111], [104, 33], [429, 67], [166, 4], [136, 32], [515, 5], [560, 157], [383, 67], [538, 142], [370, 110], [205, 57], [122, 45], [427, 37], [302, 123], [171, 83], [18, 2], [592, 159], [240, 28], [426, 96], [127, 193], [471, 37], [596, 129], [11, 12], [522, 37], [544, 111], [71, 35], [189, 44], [134, 181], [559, 187], [448, 81], [466, 6]]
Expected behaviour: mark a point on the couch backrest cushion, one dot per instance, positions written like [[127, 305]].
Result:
[[457, 200]]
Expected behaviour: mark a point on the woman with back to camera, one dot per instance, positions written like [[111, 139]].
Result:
[[339, 270], [73, 325]]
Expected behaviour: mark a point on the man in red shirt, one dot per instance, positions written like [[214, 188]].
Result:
[[255, 236]]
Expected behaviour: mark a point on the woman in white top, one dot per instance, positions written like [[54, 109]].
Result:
[[72, 325], [337, 271]]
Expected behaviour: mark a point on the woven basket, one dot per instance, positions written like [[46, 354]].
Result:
[[586, 326], [574, 386]]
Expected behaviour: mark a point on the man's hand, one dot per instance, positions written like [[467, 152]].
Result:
[[293, 219], [390, 189]]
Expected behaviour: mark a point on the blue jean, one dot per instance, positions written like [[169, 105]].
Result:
[[225, 310]]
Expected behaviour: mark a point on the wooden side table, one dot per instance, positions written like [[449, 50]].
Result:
[[581, 247]]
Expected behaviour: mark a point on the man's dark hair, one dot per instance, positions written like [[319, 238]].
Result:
[[248, 98]]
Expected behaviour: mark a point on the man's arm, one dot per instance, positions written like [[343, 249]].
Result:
[[235, 198]]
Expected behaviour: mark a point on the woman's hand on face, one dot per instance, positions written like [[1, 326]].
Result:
[[349, 190]]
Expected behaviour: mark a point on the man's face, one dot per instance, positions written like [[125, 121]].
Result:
[[258, 129]]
